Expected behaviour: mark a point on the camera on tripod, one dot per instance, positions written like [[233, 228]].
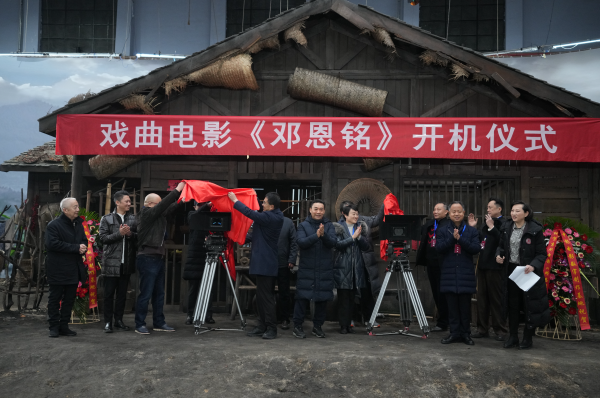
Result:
[[217, 224], [400, 230]]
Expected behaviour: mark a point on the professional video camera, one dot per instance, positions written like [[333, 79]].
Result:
[[399, 231], [216, 245]]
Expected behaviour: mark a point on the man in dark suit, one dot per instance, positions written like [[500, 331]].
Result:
[[490, 274], [429, 257], [288, 251], [264, 264], [65, 245]]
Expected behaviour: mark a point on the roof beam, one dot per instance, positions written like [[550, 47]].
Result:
[[449, 104]]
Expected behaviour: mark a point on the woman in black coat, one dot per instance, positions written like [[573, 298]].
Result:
[[194, 267], [456, 244], [349, 272], [522, 244]]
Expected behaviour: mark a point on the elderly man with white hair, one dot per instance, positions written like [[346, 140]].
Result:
[[150, 263], [65, 245]]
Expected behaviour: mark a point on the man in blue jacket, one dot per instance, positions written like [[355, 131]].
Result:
[[264, 264]]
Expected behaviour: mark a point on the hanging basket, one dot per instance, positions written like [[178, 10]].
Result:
[[569, 332], [92, 317]]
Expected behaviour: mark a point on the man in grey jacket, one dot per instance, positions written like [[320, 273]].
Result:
[[287, 253], [150, 263]]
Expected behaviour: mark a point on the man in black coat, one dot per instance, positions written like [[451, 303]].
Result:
[[490, 274], [150, 262], [316, 239], [288, 251], [264, 264], [65, 245], [428, 256], [118, 237], [193, 271]]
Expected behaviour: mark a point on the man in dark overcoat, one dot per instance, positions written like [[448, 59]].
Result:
[[316, 239], [288, 251], [264, 264], [65, 246]]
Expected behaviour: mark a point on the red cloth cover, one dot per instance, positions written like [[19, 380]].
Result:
[[392, 207], [204, 191]]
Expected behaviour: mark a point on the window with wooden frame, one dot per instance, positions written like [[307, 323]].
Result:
[[75, 26], [476, 24], [244, 14]]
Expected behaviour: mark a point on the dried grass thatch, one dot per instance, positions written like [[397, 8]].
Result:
[[314, 86], [178, 85], [480, 77], [431, 57], [81, 97], [136, 101], [103, 166], [271, 43], [65, 163], [459, 72], [234, 73], [382, 36], [295, 33]]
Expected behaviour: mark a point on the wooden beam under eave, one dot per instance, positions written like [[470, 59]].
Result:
[[449, 104], [496, 76]]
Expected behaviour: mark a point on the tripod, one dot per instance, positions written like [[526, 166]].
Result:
[[216, 245], [407, 290]]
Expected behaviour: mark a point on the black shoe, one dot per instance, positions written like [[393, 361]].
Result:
[[189, 320], [120, 325], [468, 341], [209, 320], [452, 339], [299, 332], [317, 331], [53, 333], [512, 341], [343, 330], [438, 329], [527, 341], [108, 328], [270, 334], [256, 332], [351, 330], [500, 337], [285, 325], [479, 335], [67, 332]]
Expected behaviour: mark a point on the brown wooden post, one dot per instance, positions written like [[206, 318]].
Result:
[[326, 189], [88, 200], [77, 177], [134, 202], [101, 194], [108, 197]]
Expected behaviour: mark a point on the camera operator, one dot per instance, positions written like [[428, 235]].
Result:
[[150, 263], [194, 267], [118, 236], [428, 256], [316, 238], [264, 264]]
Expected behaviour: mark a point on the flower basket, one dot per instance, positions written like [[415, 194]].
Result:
[[569, 332], [82, 319]]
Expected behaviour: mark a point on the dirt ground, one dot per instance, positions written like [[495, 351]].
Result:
[[230, 364]]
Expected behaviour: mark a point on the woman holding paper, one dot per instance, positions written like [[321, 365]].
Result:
[[522, 245]]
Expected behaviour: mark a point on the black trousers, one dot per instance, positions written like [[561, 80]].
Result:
[[115, 306], [265, 301], [300, 311], [434, 273], [193, 290], [59, 315], [516, 303], [459, 313], [489, 301], [345, 299], [284, 298]]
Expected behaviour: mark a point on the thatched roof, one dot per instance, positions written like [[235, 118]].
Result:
[[41, 158], [364, 18]]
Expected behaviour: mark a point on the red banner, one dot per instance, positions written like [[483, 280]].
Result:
[[536, 139], [584, 320], [90, 262]]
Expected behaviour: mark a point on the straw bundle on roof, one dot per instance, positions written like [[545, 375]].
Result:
[[235, 73], [270, 43], [458, 72], [103, 166], [295, 33], [80, 97], [178, 85], [480, 77], [136, 101], [430, 57], [314, 86]]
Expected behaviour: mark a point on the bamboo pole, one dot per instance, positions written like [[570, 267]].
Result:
[[108, 197], [124, 184], [88, 200], [101, 194]]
